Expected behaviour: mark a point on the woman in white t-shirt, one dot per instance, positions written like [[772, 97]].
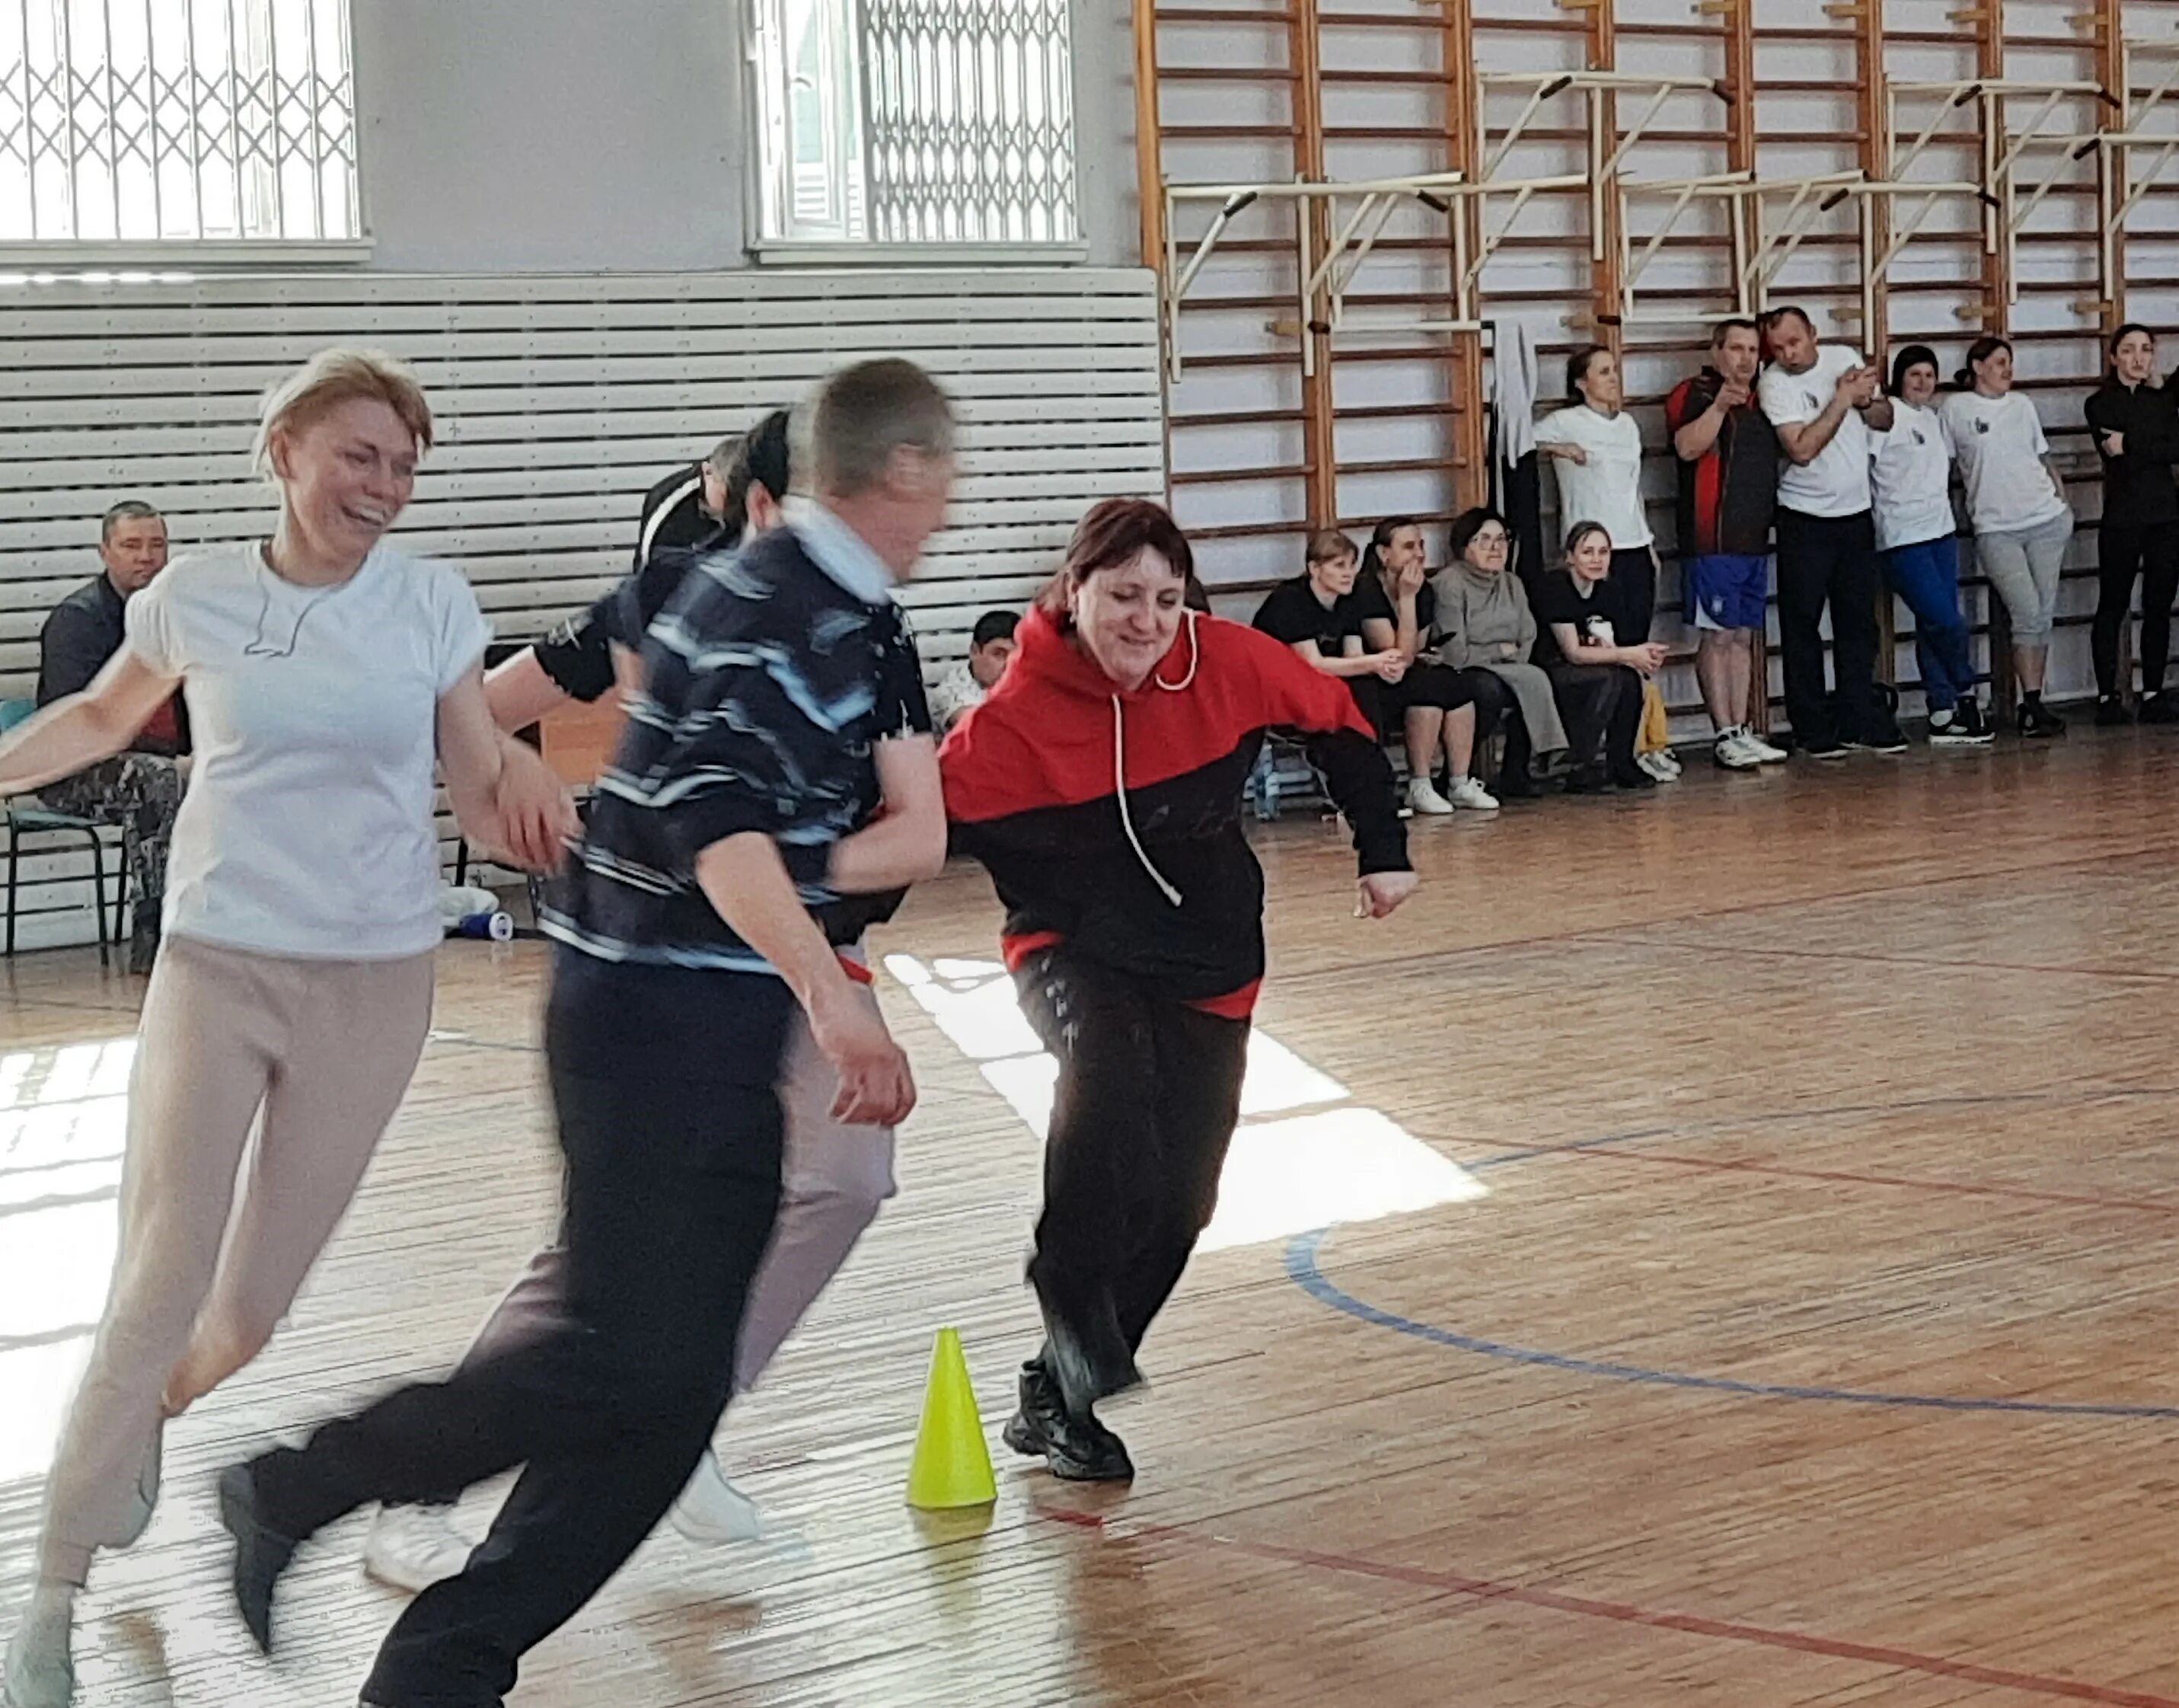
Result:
[[2016, 506], [1910, 476], [1596, 449], [324, 671]]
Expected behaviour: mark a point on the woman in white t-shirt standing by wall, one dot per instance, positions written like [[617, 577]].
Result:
[[1596, 450], [324, 672], [1910, 476], [2016, 506]]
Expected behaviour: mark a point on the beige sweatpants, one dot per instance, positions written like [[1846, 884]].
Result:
[[325, 1051]]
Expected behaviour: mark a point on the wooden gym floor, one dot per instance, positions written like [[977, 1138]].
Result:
[[1752, 1280]]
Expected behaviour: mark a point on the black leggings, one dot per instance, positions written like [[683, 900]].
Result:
[[2153, 553], [1496, 709], [1149, 1092], [1386, 704], [1602, 707]]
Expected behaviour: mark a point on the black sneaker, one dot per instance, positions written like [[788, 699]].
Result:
[[1885, 740], [261, 1553], [2157, 708], [2036, 720], [1078, 1449], [2111, 712], [1633, 777], [1969, 711], [1828, 751], [1961, 732]]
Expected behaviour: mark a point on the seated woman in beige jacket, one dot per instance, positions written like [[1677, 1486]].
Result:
[[1479, 622]]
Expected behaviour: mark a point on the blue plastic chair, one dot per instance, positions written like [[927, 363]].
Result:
[[37, 822]]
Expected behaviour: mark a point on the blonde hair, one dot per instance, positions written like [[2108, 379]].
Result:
[[337, 376]]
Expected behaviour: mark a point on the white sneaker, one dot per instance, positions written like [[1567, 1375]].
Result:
[[413, 1547], [1469, 793], [40, 1672], [1423, 798], [711, 1511], [1733, 750], [1662, 766], [1761, 748]]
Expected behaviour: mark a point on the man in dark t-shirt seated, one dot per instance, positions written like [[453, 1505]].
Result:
[[1582, 611], [1344, 624], [137, 792]]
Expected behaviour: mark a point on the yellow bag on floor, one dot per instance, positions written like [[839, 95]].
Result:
[[1656, 734]]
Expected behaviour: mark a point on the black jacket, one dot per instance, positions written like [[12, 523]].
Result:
[[2138, 492], [84, 631]]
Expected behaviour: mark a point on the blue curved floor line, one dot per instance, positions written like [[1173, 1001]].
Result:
[[1302, 1269]]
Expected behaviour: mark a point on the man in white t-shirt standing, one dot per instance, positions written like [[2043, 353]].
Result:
[[1596, 450], [1823, 400]]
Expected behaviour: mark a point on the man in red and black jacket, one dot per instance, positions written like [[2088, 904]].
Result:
[[1101, 784], [1728, 457]]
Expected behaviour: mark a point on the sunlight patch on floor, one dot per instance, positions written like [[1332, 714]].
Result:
[[1288, 1171], [64, 1112]]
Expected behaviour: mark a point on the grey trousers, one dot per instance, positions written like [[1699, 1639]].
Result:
[[834, 1178]]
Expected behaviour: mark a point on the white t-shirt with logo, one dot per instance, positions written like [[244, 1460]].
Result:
[[307, 829], [1910, 478], [1836, 483], [2001, 447], [1606, 488]]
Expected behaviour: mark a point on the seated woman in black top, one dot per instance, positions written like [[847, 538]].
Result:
[[1392, 564], [1584, 610], [1346, 626]]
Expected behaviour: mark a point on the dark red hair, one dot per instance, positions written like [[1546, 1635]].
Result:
[[1113, 534]]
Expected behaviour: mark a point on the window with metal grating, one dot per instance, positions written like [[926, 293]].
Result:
[[155, 121], [918, 122]]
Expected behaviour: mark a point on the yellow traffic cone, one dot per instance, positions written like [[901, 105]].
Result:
[[952, 1467]]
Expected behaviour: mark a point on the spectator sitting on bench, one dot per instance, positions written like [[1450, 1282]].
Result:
[[1584, 608], [137, 792], [991, 645], [1349, 629], [1481, 622]]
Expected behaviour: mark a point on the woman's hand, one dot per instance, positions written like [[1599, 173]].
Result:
[[1409, 581], [1508, 651], [534, 814], [1649, 657], [1379, 893], [2113, 444], [1389, 667], [1570, 453]]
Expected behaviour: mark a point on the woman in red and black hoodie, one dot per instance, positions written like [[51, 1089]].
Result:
[[1101, 784]]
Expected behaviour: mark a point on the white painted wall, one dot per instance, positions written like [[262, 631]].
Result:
[[614, 136]]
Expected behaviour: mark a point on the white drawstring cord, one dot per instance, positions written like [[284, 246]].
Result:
[[1120, 788], [1195, 657]]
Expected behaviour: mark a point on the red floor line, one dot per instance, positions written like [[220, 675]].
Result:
[[2149, 1207], [1622, 1613]]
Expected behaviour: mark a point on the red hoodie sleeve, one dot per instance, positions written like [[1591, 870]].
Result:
[[1293, 693]]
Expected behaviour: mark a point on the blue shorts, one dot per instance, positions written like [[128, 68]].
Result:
[[1725, 591]]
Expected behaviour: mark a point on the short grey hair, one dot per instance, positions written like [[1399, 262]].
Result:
[[721, 462], [127, 510], [846, 435]]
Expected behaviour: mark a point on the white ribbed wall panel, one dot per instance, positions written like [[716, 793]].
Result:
[[560, 398]]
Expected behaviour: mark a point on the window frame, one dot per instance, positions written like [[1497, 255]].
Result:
[[767, 251]]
